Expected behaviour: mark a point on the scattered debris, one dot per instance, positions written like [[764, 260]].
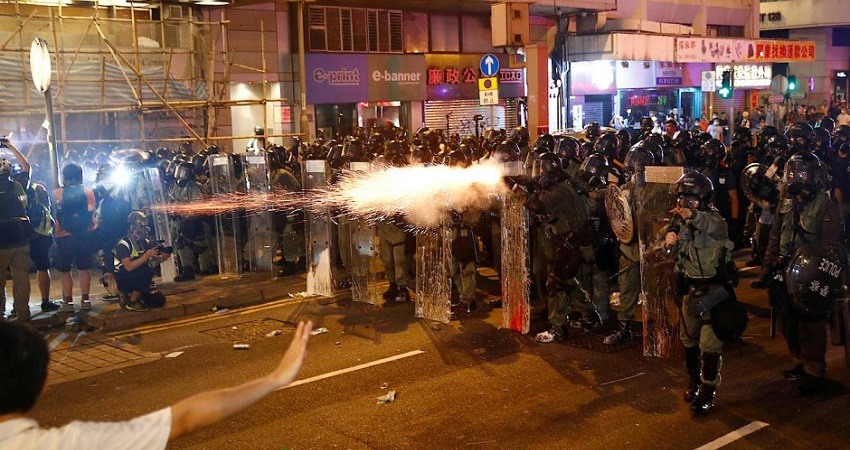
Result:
[[384, 386], [173, 354], [389, 397], [321, 330], [301, 295], [241, 346], [234, 327], [337, 343], [274, 333], [222, 310]]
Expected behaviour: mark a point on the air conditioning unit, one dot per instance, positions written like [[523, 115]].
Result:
[[509, 24], [172, 12]]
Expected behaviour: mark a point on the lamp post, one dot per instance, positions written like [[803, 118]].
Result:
[[40, 68], [304, 119]]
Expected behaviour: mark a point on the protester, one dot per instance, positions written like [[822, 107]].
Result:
[[24, 357]]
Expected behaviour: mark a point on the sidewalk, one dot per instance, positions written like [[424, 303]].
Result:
[[182, 299]]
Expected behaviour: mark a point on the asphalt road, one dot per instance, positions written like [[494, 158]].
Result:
[[463, 385]]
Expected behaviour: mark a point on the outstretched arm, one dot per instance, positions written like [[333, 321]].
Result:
[[210, 407], [25, 164]]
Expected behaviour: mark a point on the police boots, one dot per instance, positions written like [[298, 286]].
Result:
[[623, 334], [710, 378], [188, 274], [692, 365], [390, 293]]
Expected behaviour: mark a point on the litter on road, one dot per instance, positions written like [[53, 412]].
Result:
[[274, 333], [389, 397], [241, 346], [173, 354], [321, 330]]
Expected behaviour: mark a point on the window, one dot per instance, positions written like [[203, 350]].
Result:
[[725, 31], [335, 29]]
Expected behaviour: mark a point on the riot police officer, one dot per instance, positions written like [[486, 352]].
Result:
[[189, 230], [594, 175], [699, 241], [810, 219]]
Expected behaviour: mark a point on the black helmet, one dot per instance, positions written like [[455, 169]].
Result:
[[702, 138], [213, 150], [777, 145], [546, 141], [423, 155], [827, 123], [696, 185], [841, 134], [798, 136], [457, 158], [637, 158], [352, 150], [569, 147], [545, 163], [646, 123], [259, 130], [606, 145], [592, 131], [507, 151], [816, 277], [820, 141], [765, 133], [712, 153], [802, 174], [163, 153], [594, 168], [335, 158], [520, 136], [184, 173], [743, 136], [652, 146]]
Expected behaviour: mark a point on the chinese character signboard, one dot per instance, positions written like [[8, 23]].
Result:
[[698, 49], [668, 74], [455, 77], [746, 75], [333, 78]]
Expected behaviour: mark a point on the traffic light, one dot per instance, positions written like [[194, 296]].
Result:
[[726, 88], [792, 83]]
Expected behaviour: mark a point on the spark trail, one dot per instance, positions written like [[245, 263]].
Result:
[[423, 196]]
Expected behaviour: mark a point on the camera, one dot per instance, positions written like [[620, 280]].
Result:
[[160, 246], [4, 140]]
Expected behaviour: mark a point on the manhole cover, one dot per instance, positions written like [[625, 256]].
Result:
[[251, 330]]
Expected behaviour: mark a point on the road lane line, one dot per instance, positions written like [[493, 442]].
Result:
[[752, 427], [355, 368], [639, 374], [55, 343]]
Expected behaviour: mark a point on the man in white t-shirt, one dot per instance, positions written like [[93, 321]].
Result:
[[843, 118], [23, 370]]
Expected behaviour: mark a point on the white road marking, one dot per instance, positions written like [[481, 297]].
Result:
[[622, 379], [55, 342], [734, 436], [355, 368], [747, 269], [207, 318]]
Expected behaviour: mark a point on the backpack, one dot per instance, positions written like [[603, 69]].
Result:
[[14, 225], [74, 214]]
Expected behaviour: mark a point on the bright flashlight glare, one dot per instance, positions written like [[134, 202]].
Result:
[[120, 176]]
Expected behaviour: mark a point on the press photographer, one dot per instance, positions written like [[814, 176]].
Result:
[[137, 258]]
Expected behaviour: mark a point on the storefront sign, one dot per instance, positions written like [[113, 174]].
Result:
[[650, 99], [697, 49], [353, 78], [746, 75], [455, 77], [668, 74]]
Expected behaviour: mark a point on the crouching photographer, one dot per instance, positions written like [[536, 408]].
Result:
[[137, 257]]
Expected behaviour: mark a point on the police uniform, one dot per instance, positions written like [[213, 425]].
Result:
[[464, 257], [190, 231], [394, 257], [629, 278], [289, 225]]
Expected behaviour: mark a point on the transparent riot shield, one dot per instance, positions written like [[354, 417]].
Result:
[[433, 273], [260, 247], [364, 263], [227, 230], [154, 193], [515, 268], [660, 316], [321, 251]]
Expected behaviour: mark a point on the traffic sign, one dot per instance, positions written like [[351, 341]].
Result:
[[709, 84], [489, 65], [488, 98], [488, 84]]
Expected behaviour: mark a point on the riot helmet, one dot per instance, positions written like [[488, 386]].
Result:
[[606, 145], [184, 173], [646, 124], [841, 134], [423, 155], [827, 123], [259, 130], [457, 158], [694, 191], [545, 141], [712, 153], [801, 175], [545, 163], [681, 140], [702, 138], [520, 136], [569, 147], [213, 150], [164, 153], [655, 148], [820, 141], [594, 170], [777, 146], [764, 134], [507, 151], [635, 161], [743, 137], [798, 136], [592, 131], [336, 160]]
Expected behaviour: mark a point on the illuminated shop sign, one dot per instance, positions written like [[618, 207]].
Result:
[[746, 75]]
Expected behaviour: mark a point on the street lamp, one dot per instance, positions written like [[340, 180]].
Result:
[[40, 68]]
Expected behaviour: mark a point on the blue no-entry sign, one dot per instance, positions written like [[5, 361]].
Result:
[[489, 65]]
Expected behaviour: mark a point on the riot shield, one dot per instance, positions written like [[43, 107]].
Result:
[[656, 269], [227, 232], [154, 193], [260, 247], [321, 253], [515, 268], [433, 273], [364, 263]]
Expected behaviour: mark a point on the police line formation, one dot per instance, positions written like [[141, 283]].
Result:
[[582, 192]]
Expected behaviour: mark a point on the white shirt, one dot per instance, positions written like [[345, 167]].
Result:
[[842, 119], [145, 432]]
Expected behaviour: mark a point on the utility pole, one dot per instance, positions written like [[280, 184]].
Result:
[[305, 121]]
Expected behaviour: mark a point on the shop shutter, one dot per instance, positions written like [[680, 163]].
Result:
[[461, 122]]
